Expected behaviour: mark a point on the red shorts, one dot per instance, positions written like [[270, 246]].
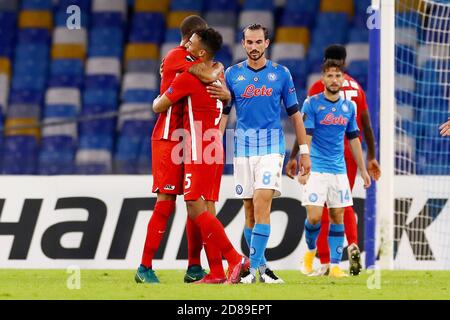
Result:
[[168, 173], [202, 181]]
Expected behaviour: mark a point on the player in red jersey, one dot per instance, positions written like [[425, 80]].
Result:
[[204, 155], [167, 175], [350, 90]]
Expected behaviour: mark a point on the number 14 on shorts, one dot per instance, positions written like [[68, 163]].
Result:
[[344, 195]]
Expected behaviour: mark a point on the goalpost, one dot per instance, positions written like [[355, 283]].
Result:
[[413, 194]]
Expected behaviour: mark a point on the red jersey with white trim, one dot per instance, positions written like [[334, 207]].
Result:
[[176, 61], [350, 90], [202, 113]]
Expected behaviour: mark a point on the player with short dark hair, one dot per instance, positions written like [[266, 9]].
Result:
[[350, 90], [328, 117], [167, 175], [203, 170]]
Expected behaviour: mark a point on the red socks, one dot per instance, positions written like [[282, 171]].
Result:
[[213, 234], [195, 243], [156, 229], [351, 232], [350, 225], [323, 249]]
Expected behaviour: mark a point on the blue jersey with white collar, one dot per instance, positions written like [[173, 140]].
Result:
[[327, 122], [258, 96]]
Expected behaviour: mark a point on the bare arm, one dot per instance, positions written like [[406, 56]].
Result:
[[161, 104], [445, 128], [299, 126], [355, 146], [205, 73], [223, 123], [372, 164]]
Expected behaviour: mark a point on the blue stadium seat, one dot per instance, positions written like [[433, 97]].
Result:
[[29, 82], [362, 5], [106, 19], [32, 51], [297, 67], [85, 5], [66, 67], [34, 35], [19, 155], [30, 67], [222, 5], [101, 97], [106, 36], [324, 37], [57, 155], [263, 5], [297, 19], [96, 142], [66, 81], [359, 71], [358, 35], [141, 35], [224, 56], [309, 6], [60, 111], [8, 20], [37, 4], [172, 35], [332, 20], [109, 82], [186, 5], [26, 97], [139, 96]]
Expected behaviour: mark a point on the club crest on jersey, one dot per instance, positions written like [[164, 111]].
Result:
[[272, 76], [255, 79], [330, 119], [251, 91], [169, 187], [241, 78]]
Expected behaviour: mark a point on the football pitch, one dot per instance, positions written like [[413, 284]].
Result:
[[119, 284]]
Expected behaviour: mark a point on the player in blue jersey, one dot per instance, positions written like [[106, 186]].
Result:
[[327, 118], [258, 87]]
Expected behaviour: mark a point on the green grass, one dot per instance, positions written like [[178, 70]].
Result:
[[119, 284]]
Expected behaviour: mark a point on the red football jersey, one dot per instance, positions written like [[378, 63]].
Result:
[[177, 61], [202, 114], [350, 90]]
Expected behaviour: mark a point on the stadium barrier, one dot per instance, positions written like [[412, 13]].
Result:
[[100, 222]]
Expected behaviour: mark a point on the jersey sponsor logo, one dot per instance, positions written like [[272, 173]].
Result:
[[313, 197], [330, 119], [272, 76], [251, 91], [321, 108], [241, 78], [169, 187], [239, 189]]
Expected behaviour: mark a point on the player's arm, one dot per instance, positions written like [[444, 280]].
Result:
[[352, 134], [219, 91], [300, 132], [205, 73], [355, 146], [372, 164], [445, 128], [179, 88], [226, 110]]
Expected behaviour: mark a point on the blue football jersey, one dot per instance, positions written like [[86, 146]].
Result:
[[327, 122], [258, 97]]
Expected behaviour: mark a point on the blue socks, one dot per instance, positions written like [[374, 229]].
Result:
[[336, 242], [258, 243], [311, 234], [248, 239]]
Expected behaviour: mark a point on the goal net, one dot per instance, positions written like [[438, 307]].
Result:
[[421, 220]]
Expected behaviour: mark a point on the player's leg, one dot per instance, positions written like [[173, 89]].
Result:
[[323, 250], [314, 196], [213, 254], [213, 234], [350, 223], [339, 197], [167, 183]]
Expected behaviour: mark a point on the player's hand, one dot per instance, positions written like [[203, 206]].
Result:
[[305, 164], [219, 91], [374, 169], [366, 179], [218, 67], [291, 168], [445, 128], [303, 178]]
